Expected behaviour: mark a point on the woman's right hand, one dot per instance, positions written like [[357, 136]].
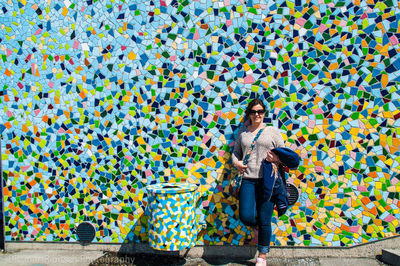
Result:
[[241, 167]]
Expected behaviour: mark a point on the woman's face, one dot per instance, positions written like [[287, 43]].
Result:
[[257, 114]]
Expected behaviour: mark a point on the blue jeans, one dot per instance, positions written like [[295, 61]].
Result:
[[255, 210]]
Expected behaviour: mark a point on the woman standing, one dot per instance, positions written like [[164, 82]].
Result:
[[254, 208]]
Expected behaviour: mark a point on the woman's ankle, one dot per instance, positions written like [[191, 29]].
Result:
[[262, 255]]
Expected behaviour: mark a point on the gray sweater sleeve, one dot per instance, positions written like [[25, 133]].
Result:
[[237, 154], [277, 138]]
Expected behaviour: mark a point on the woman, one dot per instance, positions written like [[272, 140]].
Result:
[[254, 208]]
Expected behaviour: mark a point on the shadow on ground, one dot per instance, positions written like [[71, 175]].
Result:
[[115, 258]]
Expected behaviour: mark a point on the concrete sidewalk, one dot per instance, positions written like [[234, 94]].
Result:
[[92, 258], [59, 254]]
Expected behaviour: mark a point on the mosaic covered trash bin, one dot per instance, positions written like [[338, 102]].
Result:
[[172, 211]]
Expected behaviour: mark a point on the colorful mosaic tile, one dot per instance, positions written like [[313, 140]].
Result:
[[100, 99]]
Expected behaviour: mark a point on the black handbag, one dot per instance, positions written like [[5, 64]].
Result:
[[291, 160], [293, 194]]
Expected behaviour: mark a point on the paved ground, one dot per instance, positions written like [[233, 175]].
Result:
[[97, 258]]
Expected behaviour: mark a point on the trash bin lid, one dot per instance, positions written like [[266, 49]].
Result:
[[171, 188]]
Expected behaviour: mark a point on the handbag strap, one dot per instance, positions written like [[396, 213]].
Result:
[[253, 144]]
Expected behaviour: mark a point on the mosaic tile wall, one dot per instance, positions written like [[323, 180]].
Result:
[[99, 99]]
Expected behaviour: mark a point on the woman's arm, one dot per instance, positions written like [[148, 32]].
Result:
[[277, 141], [237, 155], [272, 157], [277, 138]]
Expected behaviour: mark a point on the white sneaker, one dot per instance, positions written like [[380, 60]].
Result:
[[261, 262]]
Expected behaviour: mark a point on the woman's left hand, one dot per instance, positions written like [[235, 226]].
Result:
[[272, 157]]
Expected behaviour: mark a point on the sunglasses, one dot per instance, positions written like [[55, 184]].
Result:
[[260, 112]]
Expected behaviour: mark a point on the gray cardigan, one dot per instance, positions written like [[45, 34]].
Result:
[[269, 139]]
